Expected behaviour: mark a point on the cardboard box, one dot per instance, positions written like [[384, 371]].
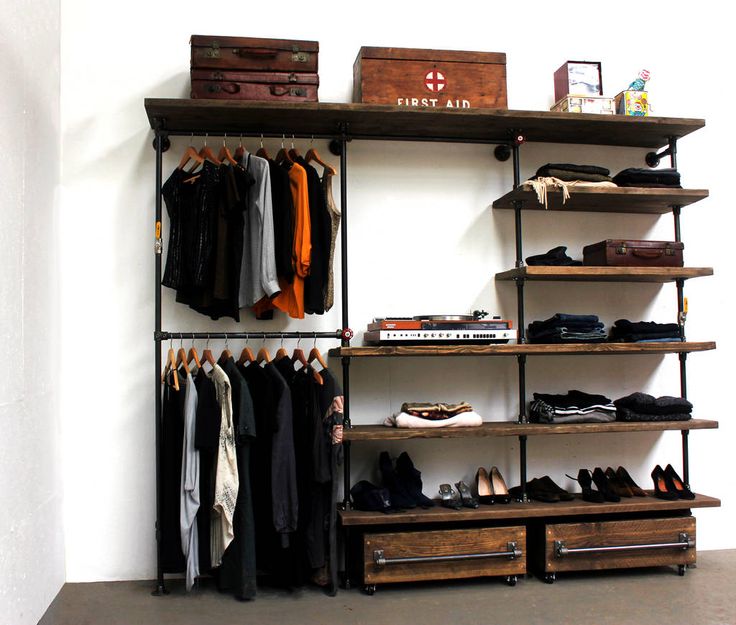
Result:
[[600, 105], [430, 78], [631, 102], [581, 78]]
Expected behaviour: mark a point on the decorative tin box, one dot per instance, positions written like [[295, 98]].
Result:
[[585, 104], [631, 102], [578, 78]]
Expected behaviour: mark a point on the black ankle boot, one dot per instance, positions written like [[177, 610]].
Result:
[[400, 498], [411, 479]]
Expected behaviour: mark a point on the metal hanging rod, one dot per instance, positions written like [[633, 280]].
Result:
[[167, 336]]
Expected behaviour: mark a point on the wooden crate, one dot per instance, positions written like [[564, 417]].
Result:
[[430, 78], [638, 538], [457, 553]]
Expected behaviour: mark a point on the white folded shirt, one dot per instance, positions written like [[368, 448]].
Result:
[[463, 420]]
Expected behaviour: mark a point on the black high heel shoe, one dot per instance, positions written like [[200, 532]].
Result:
[[586, 485], [624, 476], [682, 491], [662, 489], [465, 495], [499, 488], [603, 485], [483, 486]]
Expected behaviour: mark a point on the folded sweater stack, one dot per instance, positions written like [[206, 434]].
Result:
[[574, 407], [569, 172], [635, 177], [438, 415], [567, 328], [626, 331], [643, 407]]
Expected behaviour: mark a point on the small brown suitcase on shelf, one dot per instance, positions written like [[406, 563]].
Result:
[[273, 86], [632, 253], [254, 54]]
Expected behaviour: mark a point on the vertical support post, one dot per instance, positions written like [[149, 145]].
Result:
[[676, 210], [521, 358], [685, 433], [347, 425], [158, 249], [344, 228], [522, 468], [673, 152]]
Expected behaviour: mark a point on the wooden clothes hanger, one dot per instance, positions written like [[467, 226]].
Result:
[[226, 353], [313, 155], [281, 353], [181, 357], [240, 151], [193, 356], [293, 152], [262, 151], [206, 153], [225, 154], [190, 154], [263, 355], [316, 374], [171, 366], [315, 354], [246, 355], [283, 155], [207, 355]]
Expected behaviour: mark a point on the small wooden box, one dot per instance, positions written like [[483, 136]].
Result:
[[430, 78], [634, 253], [619, 544], [443, 554], [581, 78]]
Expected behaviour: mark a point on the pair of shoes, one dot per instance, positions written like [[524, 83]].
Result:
[[624, 479], [604, 490], [491, 488], [450, 499], [543, 489], [668, 485], [404, 483]]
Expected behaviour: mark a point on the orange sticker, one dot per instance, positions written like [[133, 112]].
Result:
[[158, 229]]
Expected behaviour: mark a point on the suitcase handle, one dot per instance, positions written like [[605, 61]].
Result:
[[227, 87], [282, 91], [647, 253], [261, 53]]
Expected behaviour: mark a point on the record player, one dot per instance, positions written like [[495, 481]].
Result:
[[474, 329]]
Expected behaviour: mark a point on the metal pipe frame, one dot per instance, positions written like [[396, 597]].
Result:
[[512, 553], [685, 542], [168, 336]]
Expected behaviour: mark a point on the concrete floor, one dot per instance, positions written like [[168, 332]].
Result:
[[704, 596]]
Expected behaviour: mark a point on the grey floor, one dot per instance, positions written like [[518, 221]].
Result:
[[704, 596]]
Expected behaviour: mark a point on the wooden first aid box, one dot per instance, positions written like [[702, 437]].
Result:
[[430, 78]]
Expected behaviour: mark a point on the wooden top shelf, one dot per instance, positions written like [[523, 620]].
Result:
[[376, 121], [512, 428], [529, 349], [605, 274], [533, 509], [606, 200]]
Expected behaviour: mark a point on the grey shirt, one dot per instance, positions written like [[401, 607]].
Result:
[[190, 486], [258, 269]]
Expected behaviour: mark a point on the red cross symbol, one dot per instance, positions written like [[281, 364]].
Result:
[[435, 80]]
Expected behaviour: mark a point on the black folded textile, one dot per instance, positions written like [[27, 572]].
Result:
[[573, 399], [633, 331], [642, 403], [648, 177], [570, 176], [625, 414], [570, 167], [556, 257], [369, 497], [566, 320]]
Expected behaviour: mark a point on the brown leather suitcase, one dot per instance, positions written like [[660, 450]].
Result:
[[632, 253], [253, 54], [267, 86]]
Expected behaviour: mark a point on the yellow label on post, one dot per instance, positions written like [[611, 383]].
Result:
[[684, 304], [158, 229]]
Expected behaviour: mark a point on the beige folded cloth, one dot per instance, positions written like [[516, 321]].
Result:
[[462, 420], [435, 411], [541, 186]]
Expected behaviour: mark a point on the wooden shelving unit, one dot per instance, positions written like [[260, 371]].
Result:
[[606, 199], [605, 274], [514, 428], [377, 351], [532, 509]]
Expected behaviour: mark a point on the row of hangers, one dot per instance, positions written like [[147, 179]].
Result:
[[183, 359], [225, 155]]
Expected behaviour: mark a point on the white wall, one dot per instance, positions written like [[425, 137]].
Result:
[[31, 536], [421, 208]]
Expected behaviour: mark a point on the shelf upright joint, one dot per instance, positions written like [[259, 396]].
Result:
[[159, 143]]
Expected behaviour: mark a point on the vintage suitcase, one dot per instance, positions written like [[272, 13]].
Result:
[[623, 253], [618, 544], [432, 78], [443, 554], [253, 54], [275, 86]]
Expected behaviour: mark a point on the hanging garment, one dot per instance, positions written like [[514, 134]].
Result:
[[226, 471], [238, 570], [283, 220], [258, 270], [334, 213], [191, 203], [172, 438], [315, 284], [190, 486]]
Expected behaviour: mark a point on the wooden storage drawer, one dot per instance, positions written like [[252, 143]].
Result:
[[619, 544], [444, 554]]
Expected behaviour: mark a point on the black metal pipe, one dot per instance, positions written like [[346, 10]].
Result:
[[160, 588], [518, 234], [676, 214], [683, 375], [521, 358], [681, 306], [520, 310], [346, 425], [686, 457], [344, 229], [516, 162], [673, 152], [166, 336], [522, 467]]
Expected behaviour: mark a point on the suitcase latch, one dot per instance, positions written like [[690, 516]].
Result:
[[297, 56], [621, 249], [292, 77], [213, 52], [668, 251]]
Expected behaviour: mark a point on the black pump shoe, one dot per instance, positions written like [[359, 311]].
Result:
[[603, 485], [586, 484], [663, 488], [673, 480]]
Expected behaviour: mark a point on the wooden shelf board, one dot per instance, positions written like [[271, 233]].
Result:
[[528, 349], [606, 200], [512, 428], [372, 121], [533, 509], [605, 274]]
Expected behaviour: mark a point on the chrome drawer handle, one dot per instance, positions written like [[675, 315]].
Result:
[[512, 552], [684, 542]]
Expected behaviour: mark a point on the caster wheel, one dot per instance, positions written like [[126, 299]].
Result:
[[511, 580], [370, 589], [681, 570], [549, 578]]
